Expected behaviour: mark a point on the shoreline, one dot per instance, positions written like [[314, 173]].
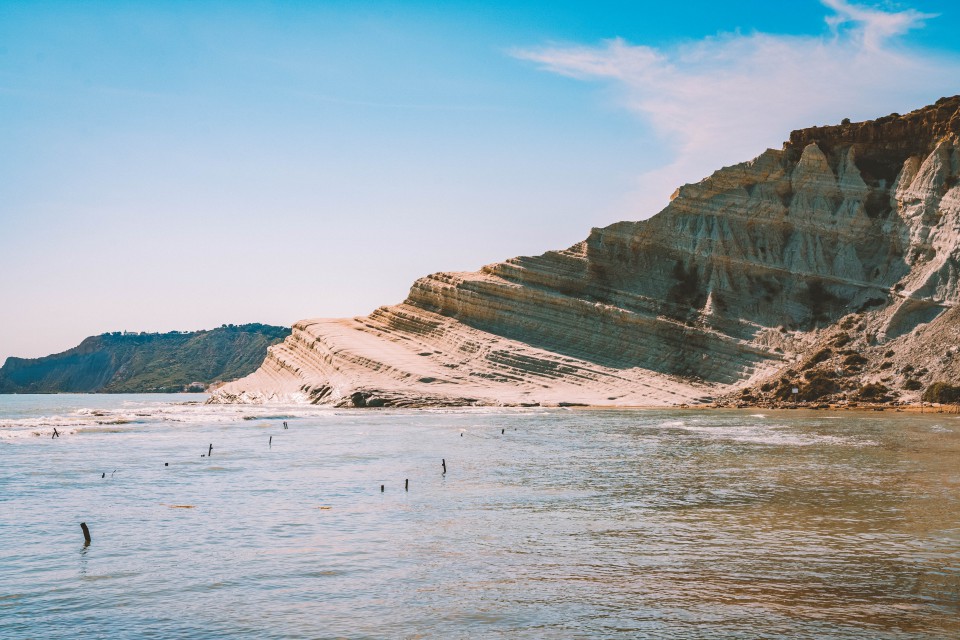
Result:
[[911, 407], [857, 407]]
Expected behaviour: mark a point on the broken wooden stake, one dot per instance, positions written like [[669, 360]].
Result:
[[86, 533]]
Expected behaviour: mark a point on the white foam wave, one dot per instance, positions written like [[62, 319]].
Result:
[[34, 432], [489, 409], [131, 415], [775, 434]]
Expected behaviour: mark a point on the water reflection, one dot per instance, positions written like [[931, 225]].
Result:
[[83, 560]]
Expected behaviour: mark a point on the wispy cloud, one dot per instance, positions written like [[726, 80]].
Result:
[[873, 27], [726, 98]]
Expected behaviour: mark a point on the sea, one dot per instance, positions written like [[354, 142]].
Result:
[[211, 521]]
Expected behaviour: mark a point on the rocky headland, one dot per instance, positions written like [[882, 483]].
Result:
[[139, 362], [830, 266]]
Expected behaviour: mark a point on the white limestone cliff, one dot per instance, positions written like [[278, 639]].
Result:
[[729, 285]]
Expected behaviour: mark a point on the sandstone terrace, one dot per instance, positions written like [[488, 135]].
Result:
[[727, 293]]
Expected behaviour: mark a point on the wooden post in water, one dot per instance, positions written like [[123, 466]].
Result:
[[501, 431], [406, 484], [271, 442], [210, 451], [443, 462], [86, 533], [381, 488]]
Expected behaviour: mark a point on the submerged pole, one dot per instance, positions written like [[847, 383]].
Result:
[[381, 488], [86, 533], [210, 451], [443, 463], [271, 442], [406, 484]]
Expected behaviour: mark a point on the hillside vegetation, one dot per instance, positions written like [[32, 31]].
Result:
[[145, 362]]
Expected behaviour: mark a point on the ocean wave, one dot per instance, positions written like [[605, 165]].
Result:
[[774, 434], [34, 432], [133, 414]]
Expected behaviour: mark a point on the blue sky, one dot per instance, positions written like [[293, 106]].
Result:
[[180, 165]]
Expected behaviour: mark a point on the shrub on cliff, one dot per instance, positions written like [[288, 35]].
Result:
[[818, 357], [854, 359], [841, 340], [874, 392], [687, 290], [817, 387], [942, 392], [785, 390]]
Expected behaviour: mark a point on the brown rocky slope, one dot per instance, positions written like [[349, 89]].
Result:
[[842, 247]]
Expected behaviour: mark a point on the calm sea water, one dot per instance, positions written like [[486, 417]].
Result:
[[568, 524]]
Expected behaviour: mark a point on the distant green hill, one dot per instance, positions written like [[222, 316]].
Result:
[[145, 362]]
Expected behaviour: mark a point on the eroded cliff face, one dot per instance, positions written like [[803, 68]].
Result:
[[731, 284]]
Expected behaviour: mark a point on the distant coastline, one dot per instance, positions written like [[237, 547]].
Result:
[[131, 362]]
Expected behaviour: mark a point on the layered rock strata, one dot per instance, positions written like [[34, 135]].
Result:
[[731, 285]]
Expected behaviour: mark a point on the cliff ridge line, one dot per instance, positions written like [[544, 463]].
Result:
[[728, 288]]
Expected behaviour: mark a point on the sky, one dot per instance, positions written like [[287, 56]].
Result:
[[182, 165]]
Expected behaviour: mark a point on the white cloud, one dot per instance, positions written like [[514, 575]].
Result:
[[726, 98], [873, 27]]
